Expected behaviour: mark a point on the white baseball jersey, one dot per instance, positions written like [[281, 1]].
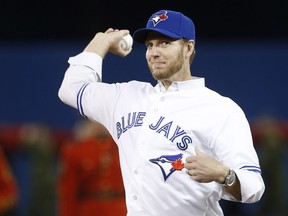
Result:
[[156, 130]]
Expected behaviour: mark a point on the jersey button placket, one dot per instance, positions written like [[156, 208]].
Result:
[[135, 195]]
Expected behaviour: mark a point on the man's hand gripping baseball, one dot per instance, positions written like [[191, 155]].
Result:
[[102, 43]]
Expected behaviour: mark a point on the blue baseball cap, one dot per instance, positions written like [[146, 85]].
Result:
[[169, 23]]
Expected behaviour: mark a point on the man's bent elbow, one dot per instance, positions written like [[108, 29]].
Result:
[[256, 196], [61, 94], [64, 95]]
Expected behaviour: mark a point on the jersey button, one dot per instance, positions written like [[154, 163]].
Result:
[[135, 197], [162, 99], [136, 172]]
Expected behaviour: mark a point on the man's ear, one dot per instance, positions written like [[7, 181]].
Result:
[[191, 52], [190, 45]]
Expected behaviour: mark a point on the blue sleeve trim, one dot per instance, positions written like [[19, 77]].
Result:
[[79, 100], [252, 168]]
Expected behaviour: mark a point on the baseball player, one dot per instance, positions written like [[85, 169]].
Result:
[[182, 146]]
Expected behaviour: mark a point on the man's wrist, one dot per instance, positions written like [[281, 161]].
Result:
[[229, 179]]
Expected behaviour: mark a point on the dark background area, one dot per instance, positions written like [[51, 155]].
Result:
[[239, 43], [63, 19]]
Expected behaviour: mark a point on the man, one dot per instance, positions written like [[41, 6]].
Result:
[[9, 192], [90, 180], [182, 146]]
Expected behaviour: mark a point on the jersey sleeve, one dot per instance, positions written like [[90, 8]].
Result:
[[233, 146], [98, 101], [84, 68], [82, 88]]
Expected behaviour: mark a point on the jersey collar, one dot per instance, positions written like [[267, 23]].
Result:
[[195, 82]]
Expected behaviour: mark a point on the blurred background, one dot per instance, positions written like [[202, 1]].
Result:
[[242, 51]]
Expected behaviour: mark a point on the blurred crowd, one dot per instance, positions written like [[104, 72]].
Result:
[[51, 172], [76, 172]]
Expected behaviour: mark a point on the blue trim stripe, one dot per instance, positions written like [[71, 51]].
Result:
[[79, 100], [252, 168]]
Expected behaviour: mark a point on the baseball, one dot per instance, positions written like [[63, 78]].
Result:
[[126, 42]]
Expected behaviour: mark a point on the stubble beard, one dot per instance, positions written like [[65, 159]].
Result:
[[171, 69]]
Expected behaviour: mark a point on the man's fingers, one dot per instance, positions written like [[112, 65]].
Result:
[[109, 30]]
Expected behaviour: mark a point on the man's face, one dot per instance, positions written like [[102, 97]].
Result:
[[164, 56]]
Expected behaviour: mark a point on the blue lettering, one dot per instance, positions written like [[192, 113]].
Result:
[[123, 125], [177, 133], [165, 128], [157, 124], [185, 141], [139, 119], [119, 130], [133, 120]]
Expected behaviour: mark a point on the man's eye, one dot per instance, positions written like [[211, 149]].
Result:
[[148, 45], [165, 43]]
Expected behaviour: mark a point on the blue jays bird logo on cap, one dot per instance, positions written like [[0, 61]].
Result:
[[168, 164], [157, 18], [172, 24]]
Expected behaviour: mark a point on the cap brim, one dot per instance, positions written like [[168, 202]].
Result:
[[140, 35]]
